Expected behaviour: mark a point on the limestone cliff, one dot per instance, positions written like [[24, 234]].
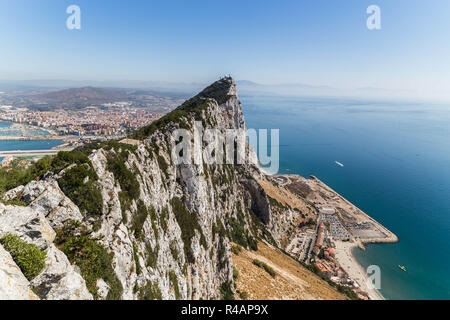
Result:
[[121, 221]]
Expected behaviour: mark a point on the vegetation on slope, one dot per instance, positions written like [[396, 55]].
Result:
[[188, 224], [192, 107], [18, 175], [79, 185], [127, 180], [28, 257], [226, 291], [293, 280], [94, 261], [174, 282], [150, 291], [264, 266]]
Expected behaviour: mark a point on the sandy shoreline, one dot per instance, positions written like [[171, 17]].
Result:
[[356, 272]]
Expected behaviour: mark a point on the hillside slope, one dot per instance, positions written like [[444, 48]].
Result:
[[291, 281]]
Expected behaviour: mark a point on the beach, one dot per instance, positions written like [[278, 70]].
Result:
[[348, 262]]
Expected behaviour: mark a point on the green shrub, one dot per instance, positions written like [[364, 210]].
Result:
[[138, 219], [136, 259], [164, 218], [16, 176], [86, 195], [235, 273], [163, 165], [152, 256], [240, 235], [15, 202], [125, 203], [218, 229], [29, 258], [237, 232], [221, 251], [152, 213], [188, 224], [264, 266], [150, 291], [174, 250], [309, 222], [95, 262], [174, 281], [226, 292], [107, 145], [243, 295], [127, 180], [236, 249]]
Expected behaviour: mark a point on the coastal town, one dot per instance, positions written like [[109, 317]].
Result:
[[72, 127], [105, 120], [337, 227]]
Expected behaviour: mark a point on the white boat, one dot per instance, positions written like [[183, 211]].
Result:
[[339, 164]]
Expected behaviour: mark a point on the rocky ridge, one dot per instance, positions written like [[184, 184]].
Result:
[[125, 222]]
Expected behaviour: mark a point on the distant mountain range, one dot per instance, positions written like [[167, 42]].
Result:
[[75, 98], [94, 92], [80, 97]]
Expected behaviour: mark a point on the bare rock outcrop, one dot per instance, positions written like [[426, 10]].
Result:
[[26, 223]]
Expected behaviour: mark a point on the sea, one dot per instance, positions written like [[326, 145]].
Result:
[[396, 168], [7, 145]]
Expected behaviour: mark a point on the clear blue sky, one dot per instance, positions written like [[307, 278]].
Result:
[[314, 41]]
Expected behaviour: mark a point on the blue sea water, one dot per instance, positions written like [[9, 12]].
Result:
[[6, 145], [396, 158]]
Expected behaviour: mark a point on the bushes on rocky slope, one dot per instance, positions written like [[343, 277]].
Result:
[[79, 184], [193, 107], [264, 266], [188, 224], [238, 233], [136, 259], [94, 261], [226, 291], [18, 175], [138, 219], [174, 282], [150, 291], [115, 145], [29, 258], [127, 180], [152, 256]]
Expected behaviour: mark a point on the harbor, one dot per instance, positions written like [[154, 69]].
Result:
[[327, 239]]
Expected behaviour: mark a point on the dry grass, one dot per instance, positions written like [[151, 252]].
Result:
[[292, 281], [285, 197]]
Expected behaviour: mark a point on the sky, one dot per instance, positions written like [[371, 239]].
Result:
[[314, 42]]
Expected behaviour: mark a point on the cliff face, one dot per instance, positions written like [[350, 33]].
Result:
[[120, 221]]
